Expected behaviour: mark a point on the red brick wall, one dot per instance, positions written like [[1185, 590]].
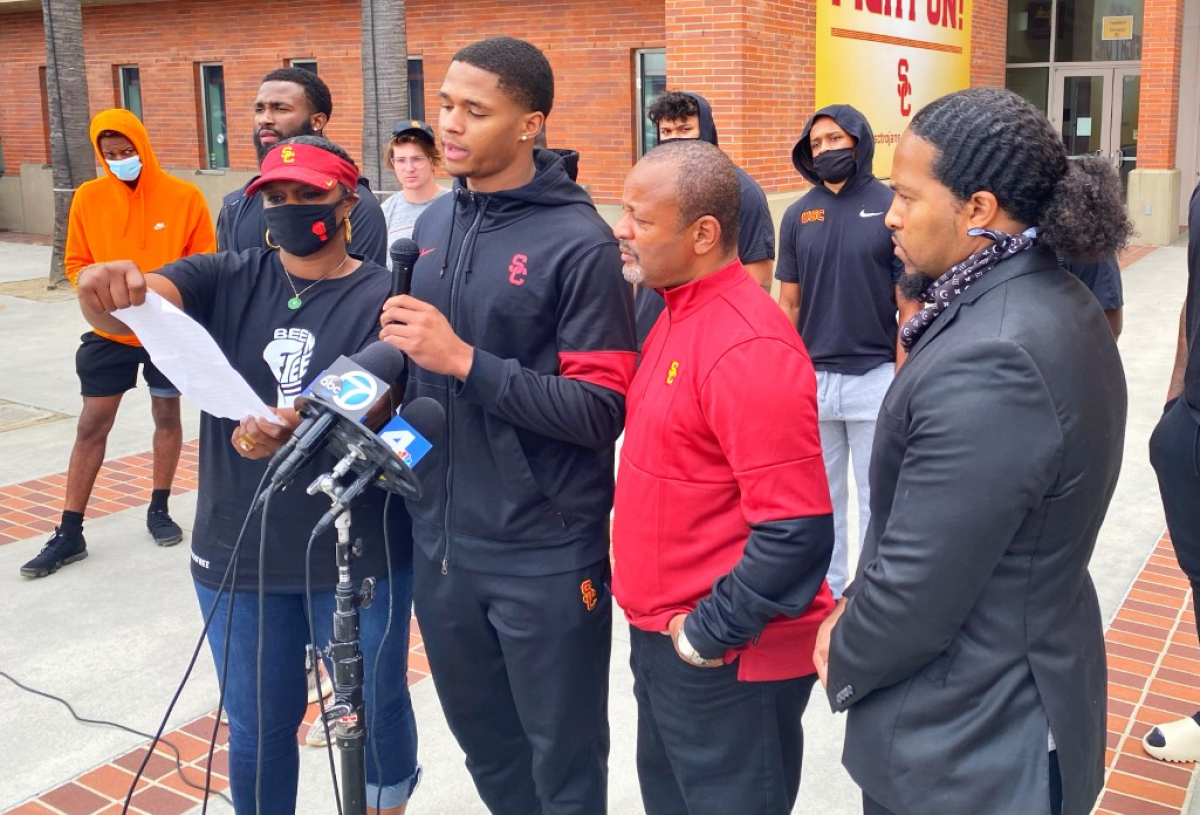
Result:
[[754, 62], [167, 41], [1158, 118], [593, 112], [21, 129], [589, 45], [989, 42]]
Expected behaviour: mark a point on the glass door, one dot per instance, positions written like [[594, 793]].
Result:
[[1096, 111], [1127, 90]]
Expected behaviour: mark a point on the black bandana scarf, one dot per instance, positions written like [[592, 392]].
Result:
[[947, 288]]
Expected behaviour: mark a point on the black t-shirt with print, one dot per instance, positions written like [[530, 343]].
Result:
[[241, 299], [840, 251]]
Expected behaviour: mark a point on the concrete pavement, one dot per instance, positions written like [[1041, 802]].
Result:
[[113, 633]]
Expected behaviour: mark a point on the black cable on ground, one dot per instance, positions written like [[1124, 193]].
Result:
[[105, 723]]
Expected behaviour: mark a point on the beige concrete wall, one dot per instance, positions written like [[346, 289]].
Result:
[[37, 198], [27, 201], [215, 184], [12, 211], [1153, 206]]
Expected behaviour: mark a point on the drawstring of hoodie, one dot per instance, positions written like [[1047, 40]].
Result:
[[450, 232], [467, 250], [1196, 452]]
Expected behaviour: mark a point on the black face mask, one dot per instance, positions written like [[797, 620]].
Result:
[[301, 229], [834, 166]]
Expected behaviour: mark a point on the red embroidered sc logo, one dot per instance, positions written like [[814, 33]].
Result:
[[517, 270], [588, 591]]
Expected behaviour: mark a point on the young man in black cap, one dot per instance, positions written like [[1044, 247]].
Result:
[[413, 155], [521, 326], [295, 102]]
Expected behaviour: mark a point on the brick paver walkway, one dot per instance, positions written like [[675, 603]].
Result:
[[31, 509]]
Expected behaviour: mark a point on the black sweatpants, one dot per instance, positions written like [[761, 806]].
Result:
[[709, 744], [1175, 454], [521, 668]]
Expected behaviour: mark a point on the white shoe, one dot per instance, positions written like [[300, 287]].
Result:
[[326, 685], [316, 734], [1174, 741]]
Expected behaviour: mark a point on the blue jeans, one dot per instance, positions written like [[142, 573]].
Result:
[[391, 728], [847, 407]]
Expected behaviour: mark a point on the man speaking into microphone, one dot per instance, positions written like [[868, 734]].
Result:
[[520, 325], [281, 317]]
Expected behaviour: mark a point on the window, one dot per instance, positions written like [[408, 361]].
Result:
[[212, 104], [307, 64], [651, 80], [416, 88], [1032, 83], [130, 84]]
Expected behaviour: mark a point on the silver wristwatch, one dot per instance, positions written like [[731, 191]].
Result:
[[690, 654]]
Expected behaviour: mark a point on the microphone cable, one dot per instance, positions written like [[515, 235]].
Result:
[[231, 569], [258, 665], [316, 653], [117, 725]]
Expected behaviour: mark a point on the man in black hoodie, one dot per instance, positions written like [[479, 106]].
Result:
[[839, 275], [680, 115], [520, 324]]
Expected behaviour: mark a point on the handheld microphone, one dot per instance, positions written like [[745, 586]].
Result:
[[385, 459], [404, 254], [345, 392]]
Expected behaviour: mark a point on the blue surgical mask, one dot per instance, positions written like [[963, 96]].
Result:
[[127, 169]]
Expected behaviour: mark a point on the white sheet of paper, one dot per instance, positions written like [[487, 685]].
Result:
[[190, 358]]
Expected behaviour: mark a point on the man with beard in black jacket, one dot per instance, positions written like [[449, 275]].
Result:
[[520, 324], [295, 102], [681, 115], [838, 278]]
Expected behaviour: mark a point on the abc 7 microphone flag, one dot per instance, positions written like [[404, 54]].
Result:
[[354, 391]]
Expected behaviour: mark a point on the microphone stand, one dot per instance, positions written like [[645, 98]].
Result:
[[348, 707]]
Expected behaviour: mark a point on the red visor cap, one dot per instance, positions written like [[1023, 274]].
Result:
[[306, 164]]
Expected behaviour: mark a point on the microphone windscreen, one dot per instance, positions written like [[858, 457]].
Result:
[[405, 250], [427, 417], [382, 360]]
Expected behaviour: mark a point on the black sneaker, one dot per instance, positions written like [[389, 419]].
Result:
[[62, 548], [165, 531]]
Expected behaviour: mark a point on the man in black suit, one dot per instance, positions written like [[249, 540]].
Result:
[[969, 649]]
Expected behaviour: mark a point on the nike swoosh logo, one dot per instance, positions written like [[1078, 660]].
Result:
[[862, 213], [425, 252], [159, 226]]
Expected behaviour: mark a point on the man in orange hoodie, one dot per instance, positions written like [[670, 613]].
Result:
[[135, 211]]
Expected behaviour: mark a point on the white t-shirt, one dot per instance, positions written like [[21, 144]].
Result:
[[402, 216]]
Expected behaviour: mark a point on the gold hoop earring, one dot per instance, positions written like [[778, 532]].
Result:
[[268, 239], [348, 230]]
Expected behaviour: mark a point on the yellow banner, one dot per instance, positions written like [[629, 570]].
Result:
[[889, 58]]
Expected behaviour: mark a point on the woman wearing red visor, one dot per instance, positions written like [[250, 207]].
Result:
[[282, 316]]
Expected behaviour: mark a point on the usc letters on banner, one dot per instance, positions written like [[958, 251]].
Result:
[[890, 58]]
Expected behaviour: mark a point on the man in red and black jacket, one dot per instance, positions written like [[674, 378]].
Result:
[[520, 325], [723, 528]]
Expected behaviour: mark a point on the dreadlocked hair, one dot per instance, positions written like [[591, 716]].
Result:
[[992, 140]]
